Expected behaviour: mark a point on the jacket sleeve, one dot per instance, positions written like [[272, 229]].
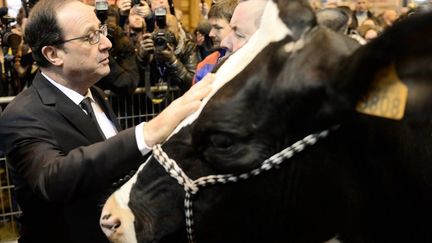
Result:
[[31, 149]]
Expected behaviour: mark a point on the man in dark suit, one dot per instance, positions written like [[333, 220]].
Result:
[[66, 155], [361, 13]]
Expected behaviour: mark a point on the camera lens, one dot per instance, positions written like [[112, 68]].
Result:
[[11, 39], [136, 2], [160, 43]]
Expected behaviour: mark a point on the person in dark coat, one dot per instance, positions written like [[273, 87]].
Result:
[[361, 13], [61, 139], [203, 40], [124, 76], [173, 62]]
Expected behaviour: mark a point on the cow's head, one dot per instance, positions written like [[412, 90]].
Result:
[[285, 84]]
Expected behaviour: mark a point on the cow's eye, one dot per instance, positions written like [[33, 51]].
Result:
[[220, 141]]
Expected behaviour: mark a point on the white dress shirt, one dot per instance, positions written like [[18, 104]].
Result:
[[105, 124]]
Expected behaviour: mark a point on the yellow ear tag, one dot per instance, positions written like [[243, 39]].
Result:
[[387, 97]]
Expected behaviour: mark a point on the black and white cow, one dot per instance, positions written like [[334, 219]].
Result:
[[360, 169]]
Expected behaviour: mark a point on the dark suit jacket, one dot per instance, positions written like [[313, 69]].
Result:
[[355, 24], [62, 168]]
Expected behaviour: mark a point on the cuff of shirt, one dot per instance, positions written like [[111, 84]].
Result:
[[139, 136]]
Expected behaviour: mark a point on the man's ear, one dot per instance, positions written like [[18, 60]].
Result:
[[53, 55]]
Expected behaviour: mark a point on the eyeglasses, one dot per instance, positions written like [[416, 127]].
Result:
[[93, 37]]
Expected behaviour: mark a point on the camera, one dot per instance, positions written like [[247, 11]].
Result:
[[8, 38], [27, 5], [160, 40], [136, 2], [160, 17], [10, 43], [101, 10], [161, 37]]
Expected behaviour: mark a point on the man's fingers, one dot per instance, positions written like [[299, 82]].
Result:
[[199, 91], [209, 78], [146, 35], [158, 129]]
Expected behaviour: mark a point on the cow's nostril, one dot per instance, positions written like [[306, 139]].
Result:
[[110, 227], [106, 216], [109, 222]]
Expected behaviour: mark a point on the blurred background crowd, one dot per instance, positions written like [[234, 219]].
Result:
[[162, 42]]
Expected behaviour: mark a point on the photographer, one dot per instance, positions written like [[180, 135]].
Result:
[[135, 26], [165, 56], [24, 66], [132, 7], [11, 39], [124, 76]]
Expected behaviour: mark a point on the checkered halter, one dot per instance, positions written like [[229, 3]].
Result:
[[191, 187]]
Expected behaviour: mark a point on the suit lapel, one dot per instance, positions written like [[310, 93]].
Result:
[[52, 96], [100, 98], [76, 116]]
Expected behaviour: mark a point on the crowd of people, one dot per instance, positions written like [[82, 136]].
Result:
[[145, 54], [147, 46], [60, 136], [358, 22]]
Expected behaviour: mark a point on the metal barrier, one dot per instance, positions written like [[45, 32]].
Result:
[[134, 109], [9, 210], [130, 110]]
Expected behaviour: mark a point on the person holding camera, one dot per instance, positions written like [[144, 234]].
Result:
[[166, 57], [11, 38], [126, 5], [124, 73], [135, 26], [24, 65], [129, 8]]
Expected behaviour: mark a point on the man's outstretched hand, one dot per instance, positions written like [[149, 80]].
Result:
[[160, 127]]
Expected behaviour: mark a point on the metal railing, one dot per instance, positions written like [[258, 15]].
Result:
[[9, 210], [130, 110], [134, 109]]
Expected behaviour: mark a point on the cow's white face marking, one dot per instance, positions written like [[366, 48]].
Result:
[[117, 207], [120, 220], [294, 45], [334, 240], [242, 57], [118, 202], [122, 195], [235, 63]]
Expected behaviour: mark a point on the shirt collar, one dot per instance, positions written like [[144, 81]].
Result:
[[71, 94]]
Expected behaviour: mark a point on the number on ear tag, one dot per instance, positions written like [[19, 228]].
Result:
[[387, 97]]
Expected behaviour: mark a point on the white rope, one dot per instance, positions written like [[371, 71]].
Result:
[[191, 187]]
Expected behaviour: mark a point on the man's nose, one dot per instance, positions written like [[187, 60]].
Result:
[[104, 43], [227, 41], [211, 33]]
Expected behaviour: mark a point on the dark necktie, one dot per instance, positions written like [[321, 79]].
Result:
[[86, 105]]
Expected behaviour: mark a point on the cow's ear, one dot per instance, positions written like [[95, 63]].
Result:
[[297, 15], [406, 42]]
